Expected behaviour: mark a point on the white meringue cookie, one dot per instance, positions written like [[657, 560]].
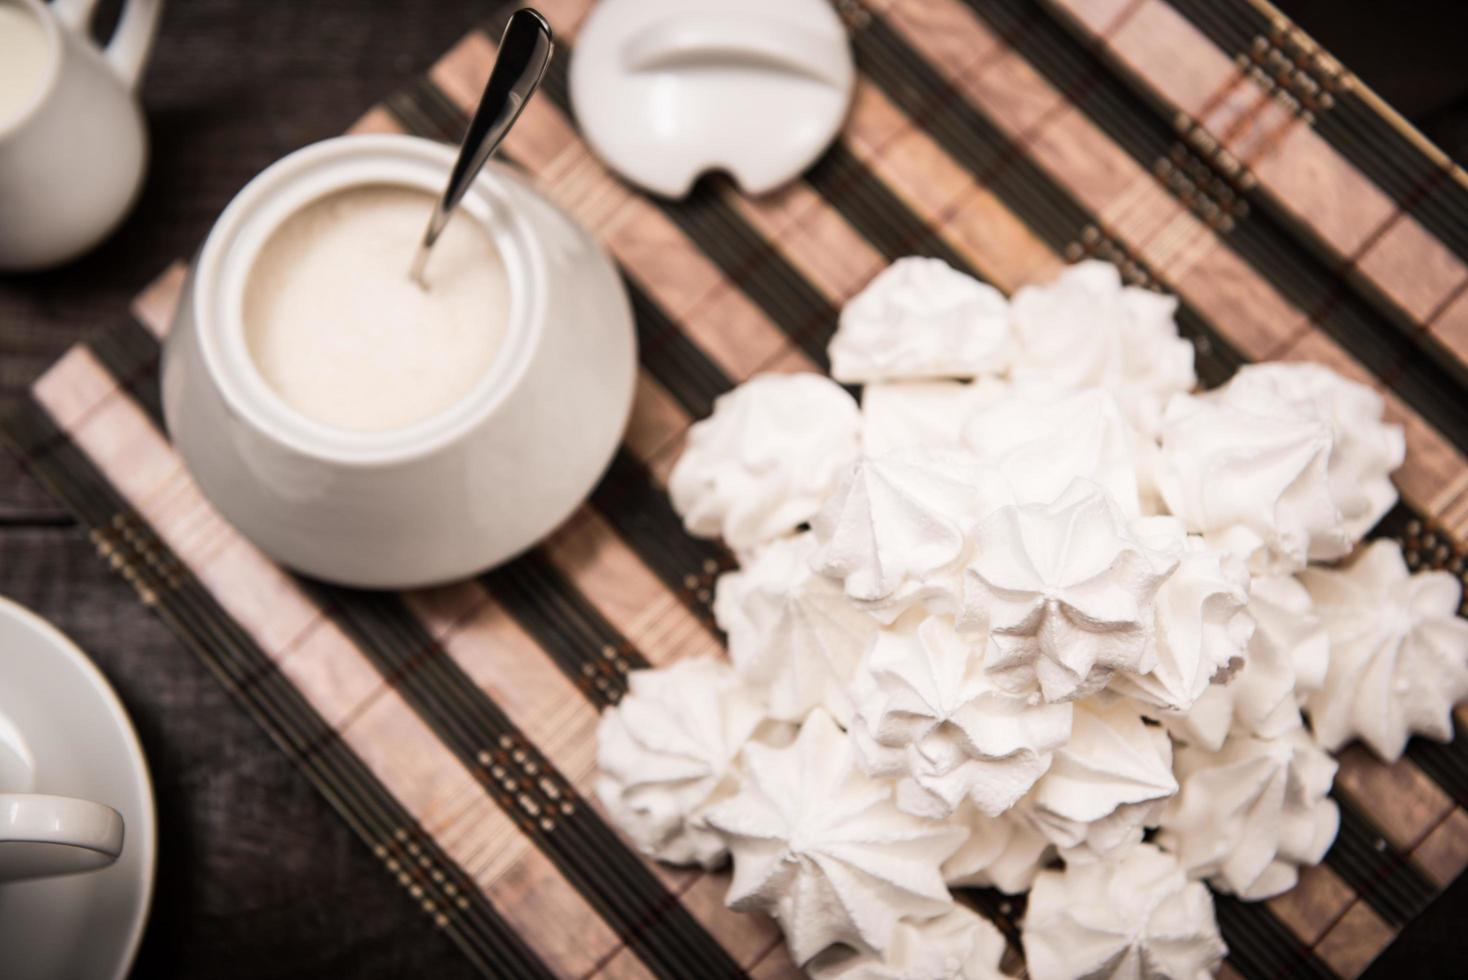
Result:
[[668, 749], [1398, 652], [1086, 330], [1003, 852], [1365, 450], [1285, 618], [1106, 784], [922, 414], [765, 460], [934, 719], [1042, 440], [1134, 918], [957, 945], [1201, 630], [1066, 592], [822, 848], [1254, 479], [1148, 453], [1104, 839], [921, 318], [1248, 816], [894, 531], [1286, 658], [1211, 718], [792, 632]]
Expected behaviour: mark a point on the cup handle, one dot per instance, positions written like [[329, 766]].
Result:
[[51, 835], [131, 42]]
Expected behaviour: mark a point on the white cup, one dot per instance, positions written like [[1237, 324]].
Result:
[[438, 499], [41, 836], [72, 159]]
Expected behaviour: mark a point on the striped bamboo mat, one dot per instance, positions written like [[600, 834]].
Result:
[[1208, 148]]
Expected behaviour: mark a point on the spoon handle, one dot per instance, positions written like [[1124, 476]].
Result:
[[525, 50]]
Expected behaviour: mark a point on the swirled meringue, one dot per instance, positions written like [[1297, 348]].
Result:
[[1253, 477], [791, 631], [822, 848], [1286, 658], [957, 945], [1003, 852], [1086, 330], [1148, 453], [1106, 784], [1201, 630], [765, 460], [668, 749], [1364, 449], [1285, 618], [1248, 816], [934, 719], [1133, 918], [1041, 440], [922, 414], [1066, 592], [894, 530], [1398, 652], [921, 318]]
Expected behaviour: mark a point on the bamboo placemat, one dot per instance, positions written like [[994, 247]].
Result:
[[1208, 148]]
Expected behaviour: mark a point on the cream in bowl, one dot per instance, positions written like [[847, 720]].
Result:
[[365, 430], [344, 336]]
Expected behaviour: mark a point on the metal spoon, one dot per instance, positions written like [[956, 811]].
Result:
[[525, 50]]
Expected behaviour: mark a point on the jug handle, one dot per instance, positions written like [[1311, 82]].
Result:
[[132, 41]]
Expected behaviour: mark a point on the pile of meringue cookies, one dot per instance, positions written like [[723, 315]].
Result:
[[1037, 616]]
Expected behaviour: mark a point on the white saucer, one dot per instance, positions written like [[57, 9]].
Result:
[[76, 740]]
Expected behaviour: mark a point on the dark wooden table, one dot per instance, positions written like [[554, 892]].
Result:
[[257, 876]]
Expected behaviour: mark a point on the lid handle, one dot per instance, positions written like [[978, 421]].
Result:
[[702, 39]]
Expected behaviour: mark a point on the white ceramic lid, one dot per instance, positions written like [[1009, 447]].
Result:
[[665, 90]]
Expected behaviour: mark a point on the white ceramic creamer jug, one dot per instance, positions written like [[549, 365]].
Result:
[[441, 497], [73, 146]]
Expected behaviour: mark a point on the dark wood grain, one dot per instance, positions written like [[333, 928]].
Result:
[[257, 876]]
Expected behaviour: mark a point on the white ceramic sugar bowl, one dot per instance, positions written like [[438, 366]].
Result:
[[441, 498]]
